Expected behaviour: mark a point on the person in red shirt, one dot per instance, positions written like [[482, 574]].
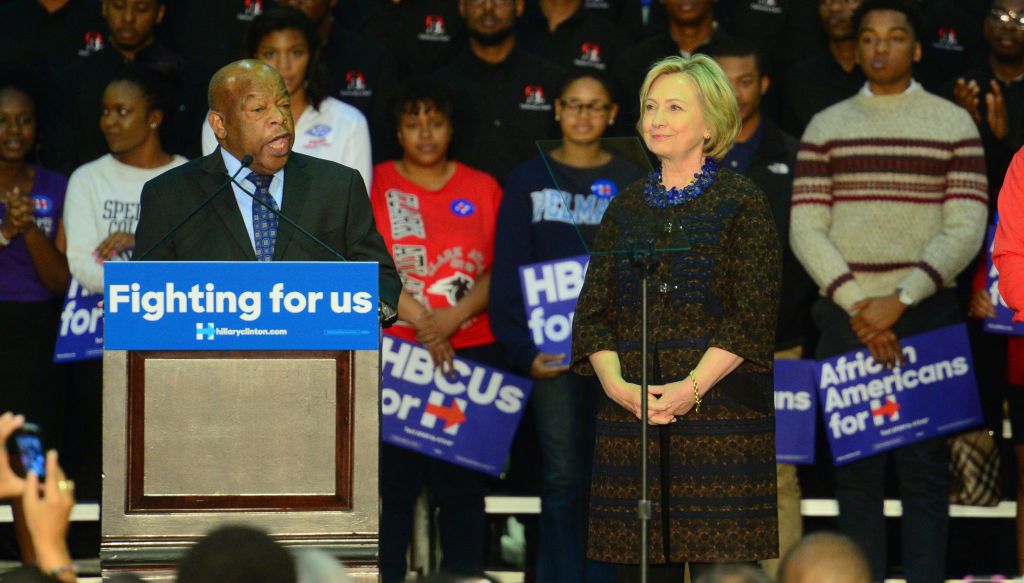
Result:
[[437, 217]]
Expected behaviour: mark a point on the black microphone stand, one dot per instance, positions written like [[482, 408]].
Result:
[[646, 259]]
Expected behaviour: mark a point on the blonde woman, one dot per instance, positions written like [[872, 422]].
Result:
[[713, 296]]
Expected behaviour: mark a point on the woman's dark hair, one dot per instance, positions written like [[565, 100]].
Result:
[[287, 18], [158, 89], [908, 8], [422, 93], [603, 81]]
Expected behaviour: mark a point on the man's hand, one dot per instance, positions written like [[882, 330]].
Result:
[[11, 486], [886, 349], [965, 93], [997, 116], [544, 367], [48, 515], [874, 315], [981, 306]]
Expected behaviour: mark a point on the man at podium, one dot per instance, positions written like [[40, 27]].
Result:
[[284, 206]]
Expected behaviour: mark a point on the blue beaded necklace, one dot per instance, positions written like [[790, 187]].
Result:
[[658, 196]]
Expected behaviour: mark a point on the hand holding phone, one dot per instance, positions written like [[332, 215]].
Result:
[[11, 485]]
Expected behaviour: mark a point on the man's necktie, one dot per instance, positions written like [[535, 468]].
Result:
[[264, 222]]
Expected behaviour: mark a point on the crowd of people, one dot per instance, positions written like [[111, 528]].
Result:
[[826, 171]]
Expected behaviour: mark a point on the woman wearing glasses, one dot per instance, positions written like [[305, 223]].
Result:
[[552, 207]]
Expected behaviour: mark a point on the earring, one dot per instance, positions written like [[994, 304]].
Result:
[[152, 125], [611, 122], [707, 137]]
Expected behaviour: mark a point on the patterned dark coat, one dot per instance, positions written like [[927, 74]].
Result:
[[723, 291]]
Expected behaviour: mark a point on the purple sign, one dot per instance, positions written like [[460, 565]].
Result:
[[1003, 322], [468, 420], [794, 411], [869, 409], [80, 336], [550, 291]]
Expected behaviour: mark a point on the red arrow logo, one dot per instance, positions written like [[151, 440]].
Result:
[[890, 408], [452, 415]]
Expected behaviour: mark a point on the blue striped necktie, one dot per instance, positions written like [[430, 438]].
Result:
[[264, 222]]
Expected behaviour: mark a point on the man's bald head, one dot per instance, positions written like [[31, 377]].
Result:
[[825, 557], [250, 113]]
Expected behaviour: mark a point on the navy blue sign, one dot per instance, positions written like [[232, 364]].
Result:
[[550, 291], [795, 411], [241, 305], [869, 409], [1003, 322], [80, 336], [468, 420]]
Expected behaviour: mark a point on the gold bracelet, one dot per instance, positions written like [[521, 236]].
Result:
[[696, 392]]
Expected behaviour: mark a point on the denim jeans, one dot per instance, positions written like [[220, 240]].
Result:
[[920, 468], [564, 410]]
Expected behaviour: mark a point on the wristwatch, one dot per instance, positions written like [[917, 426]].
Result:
[[904, 296], [387, 314]]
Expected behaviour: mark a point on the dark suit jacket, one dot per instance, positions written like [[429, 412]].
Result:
[[327, 199], [771, 169]]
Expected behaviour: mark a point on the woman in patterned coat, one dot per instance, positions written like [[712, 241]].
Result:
[[713, 297]]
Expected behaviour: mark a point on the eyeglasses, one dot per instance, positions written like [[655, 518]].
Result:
[[579, 108], [479, 3], [1007, 16]]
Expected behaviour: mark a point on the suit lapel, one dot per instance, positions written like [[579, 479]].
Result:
[[225, 204], [297, 183]]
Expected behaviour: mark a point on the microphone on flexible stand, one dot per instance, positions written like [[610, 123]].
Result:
[[246, 161]]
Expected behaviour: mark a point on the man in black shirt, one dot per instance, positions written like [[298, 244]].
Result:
[[628, 15], [567, 34], [360, 71], [424, 34], [50, 34], [767, 156], [950, 43], [691, 26], [827, 78], [504, 95], [74, 104]]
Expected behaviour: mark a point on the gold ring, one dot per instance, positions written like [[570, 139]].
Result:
[[65, 485]]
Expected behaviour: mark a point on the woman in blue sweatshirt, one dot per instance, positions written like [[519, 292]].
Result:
[[551, 209]]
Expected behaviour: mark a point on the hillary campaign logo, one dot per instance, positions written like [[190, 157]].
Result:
[[434, 29], [869, 409], [466, 418], [93, 43], [604, 188], [590, 56], [80, 335], [462, 207], [534, 100], [241, 306]]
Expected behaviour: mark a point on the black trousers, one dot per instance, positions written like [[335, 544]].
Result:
[[921, 468]]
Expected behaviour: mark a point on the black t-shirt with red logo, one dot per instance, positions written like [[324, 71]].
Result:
[[950, 42], [586, 42], [501, 110], [425, 35], [364, 74], [50, 41]]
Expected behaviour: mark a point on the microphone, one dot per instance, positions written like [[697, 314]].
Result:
[[288, 220], [246, 161]]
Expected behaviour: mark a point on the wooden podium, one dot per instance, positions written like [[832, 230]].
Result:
[[283, 441]]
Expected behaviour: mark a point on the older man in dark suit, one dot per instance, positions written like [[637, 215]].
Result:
[[251, 116]]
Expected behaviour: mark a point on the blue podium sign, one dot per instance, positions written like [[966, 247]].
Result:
[[550, 291], [869, 409], [240, 306], [795, 413], [468, 420]]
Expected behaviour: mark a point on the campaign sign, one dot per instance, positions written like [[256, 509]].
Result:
[[794, 411], [869, 409], [245, 305], [80, 335], [1003, 322], [550, 291], [468, 420]]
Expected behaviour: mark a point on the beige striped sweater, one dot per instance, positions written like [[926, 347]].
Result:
[[890, 192]]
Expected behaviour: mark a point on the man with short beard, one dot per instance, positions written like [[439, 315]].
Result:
[[827, 78], [74, 102], [504, 96]]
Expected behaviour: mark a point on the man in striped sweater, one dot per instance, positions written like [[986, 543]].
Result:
[[889, 206]]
